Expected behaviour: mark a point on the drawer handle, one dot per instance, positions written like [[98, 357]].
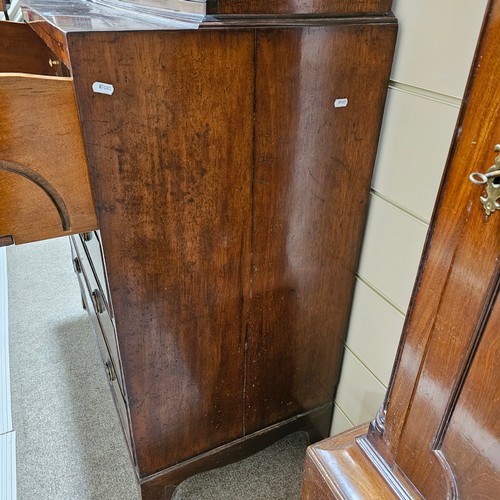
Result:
[[110, 371], [42, 183], [77, 265], [98, 302], [87, 236]]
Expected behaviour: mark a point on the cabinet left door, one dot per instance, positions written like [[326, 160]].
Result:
[[170, 154], [44, 183]]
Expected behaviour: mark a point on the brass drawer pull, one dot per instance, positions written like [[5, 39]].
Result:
[[110, 371], [98, 302], [77, 265]]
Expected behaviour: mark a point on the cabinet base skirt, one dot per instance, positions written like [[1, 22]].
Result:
[[161, 486]]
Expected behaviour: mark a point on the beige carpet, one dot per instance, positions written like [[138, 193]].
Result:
[[69, 440]]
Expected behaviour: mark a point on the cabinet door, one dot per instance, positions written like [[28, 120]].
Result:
[[443, 413], [170, 156], [320, 93]]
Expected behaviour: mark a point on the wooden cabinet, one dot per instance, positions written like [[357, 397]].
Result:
[[438, 433], [230, 160]]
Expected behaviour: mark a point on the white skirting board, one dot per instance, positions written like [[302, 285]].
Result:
[[5, 414], [8, 466], [7, 436]]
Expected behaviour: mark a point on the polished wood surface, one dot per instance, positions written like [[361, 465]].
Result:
[[302, 278], [222, 173], [471, 444], [439, 427], [315, 423], [298, 7], [174, 207], [339, 468], [22, 51], [43, 171], [182, 212], [457, 279]]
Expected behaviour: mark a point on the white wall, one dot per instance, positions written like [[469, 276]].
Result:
[[435, 48], [14, 11]]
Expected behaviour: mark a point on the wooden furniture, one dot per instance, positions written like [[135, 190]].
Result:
[[230, 158], [44, 181], [438, 433]]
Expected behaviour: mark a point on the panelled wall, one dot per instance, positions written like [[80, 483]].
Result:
[[436, 44]]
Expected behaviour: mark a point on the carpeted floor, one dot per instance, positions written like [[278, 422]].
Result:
[[69, 440]]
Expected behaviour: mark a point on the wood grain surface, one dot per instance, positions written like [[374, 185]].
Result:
[[315, 423], [298, 7], [313, 166], [338, 468], [22, 51], [43, 172], [435, 421], [438, 435], [223, 173], [170, 155]]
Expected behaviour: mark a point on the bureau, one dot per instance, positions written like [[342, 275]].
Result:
[[227, 155]]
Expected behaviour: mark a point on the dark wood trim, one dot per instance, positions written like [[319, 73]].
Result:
[[6, 241], [315, 423], [283, 7]]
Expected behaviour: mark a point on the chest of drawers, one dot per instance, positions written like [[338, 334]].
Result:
[[230, 158]]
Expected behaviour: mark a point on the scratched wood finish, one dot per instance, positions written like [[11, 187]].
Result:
[[22, 51], [178, 217], [458, 279], [313, 166], [44, 182], [170, 155], [298, 7]]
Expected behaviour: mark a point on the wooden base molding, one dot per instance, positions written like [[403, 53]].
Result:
[[315, 423]]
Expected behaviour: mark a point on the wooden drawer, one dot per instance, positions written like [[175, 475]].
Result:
[[108, 362], [44, 182], [91, 243], [98, 312]]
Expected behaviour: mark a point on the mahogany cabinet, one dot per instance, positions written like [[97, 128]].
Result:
[[230, 154], [437, 435]]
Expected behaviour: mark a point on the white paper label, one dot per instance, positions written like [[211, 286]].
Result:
[[103, 88], [341, 103]]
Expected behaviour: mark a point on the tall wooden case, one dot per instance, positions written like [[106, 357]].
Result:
[[437, 435], [230, 161]]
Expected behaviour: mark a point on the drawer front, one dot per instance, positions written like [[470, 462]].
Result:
[[23, 51], [98, 309], [108, 363], [91, 243], [44, 182]]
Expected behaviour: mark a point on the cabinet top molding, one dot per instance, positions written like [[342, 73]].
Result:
[[317, 7], [133, 15]]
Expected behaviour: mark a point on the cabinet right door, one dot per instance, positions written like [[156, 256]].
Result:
[[443, 414], [320, 94]]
